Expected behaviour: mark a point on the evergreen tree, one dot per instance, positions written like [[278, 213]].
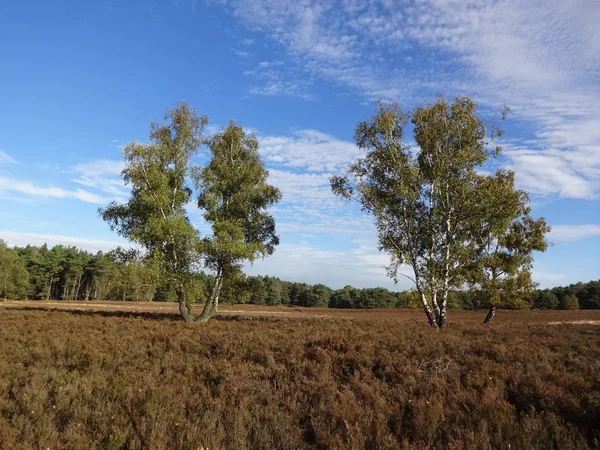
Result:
[[14, 277], [258, 291]]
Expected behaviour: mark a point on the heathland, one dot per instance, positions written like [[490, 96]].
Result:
[[139, 378]]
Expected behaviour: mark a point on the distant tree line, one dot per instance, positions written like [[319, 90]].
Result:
[[68, 273]]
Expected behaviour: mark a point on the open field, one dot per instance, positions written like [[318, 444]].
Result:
[[112, 375], [149, 309]]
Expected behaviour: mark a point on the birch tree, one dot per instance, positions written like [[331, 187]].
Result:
[[234, 194], [14, 278], [429, 203], [232, 191], [155, 217], [508, 236]]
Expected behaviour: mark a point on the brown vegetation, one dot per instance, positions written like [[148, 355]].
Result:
[[110, 380]]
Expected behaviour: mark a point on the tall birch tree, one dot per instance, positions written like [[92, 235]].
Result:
[[234, 194], [431, 204]]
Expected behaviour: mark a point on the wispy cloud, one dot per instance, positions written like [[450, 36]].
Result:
[[302, 262], [103, 175], [273, 80], [553, 172], [241, 53], [285, 88], [300, 165], [265, 64], [548, 279], [6, 159], [541, 57], [572, 233], [311, 150], [30, 188]]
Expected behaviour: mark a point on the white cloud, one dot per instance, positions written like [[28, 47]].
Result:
[[241, 53], [541, 57], [301, 187], [548, 279], [100, 167], [285, 88], [301, 165], [305, 263], [310, 208], [22, 239], [551, 172], [310, 150], [265, 64], [6, 159], [104, 175], [275, 82], [572, 233], [30, 188]]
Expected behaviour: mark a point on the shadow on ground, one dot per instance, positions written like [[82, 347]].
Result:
[[94, 313], [152, 315]]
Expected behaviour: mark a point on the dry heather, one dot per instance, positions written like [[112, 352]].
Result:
[[146, 381]]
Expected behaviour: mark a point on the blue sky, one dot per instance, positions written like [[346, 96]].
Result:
[[79, 80]]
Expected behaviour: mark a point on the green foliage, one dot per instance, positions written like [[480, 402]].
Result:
[[155, 215], [124, 275], [14, 277], [234, 289], [342, 298], [545, 300], [586, 294], [274, 289], [232, 192], [318, 296], [298, 293], [434, 210], [569, 302], [349, 297], [258, 291], [67, 273], [502, 269]]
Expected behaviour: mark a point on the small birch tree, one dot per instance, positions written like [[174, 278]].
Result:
[[507, 239]]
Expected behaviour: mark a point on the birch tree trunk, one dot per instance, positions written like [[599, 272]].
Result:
[[443, 308], [79, 283], [50, 288], [185, 312], [212, 304], [490, 315], [428, 312]]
